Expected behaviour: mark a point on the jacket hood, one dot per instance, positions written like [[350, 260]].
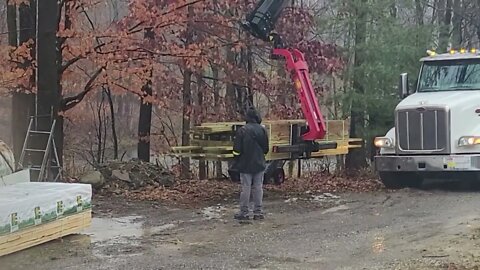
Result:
[[252, 116]]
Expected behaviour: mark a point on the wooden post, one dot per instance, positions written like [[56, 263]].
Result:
[[299, 169], [291, 168], [202, 169]]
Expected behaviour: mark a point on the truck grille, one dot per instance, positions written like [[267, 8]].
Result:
[[423, 129]]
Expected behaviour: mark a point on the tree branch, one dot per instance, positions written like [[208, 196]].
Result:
[[132, 29], [68, 103], [77, 58]]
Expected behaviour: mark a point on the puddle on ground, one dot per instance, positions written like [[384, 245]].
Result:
[[111, 229], [105, 238], [129, 227], [378, 245], [336, 209], [124, 236], [213, 212], [324, 197]]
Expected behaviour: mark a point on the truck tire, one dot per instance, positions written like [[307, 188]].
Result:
[[399, 180], [279, 176]]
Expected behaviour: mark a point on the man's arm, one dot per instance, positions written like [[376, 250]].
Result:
[[238, 143], [266, 143]]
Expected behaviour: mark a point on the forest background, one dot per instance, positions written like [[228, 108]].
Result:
[[129, 78]]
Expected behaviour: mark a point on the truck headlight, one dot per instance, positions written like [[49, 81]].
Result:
[[384, 142], [468, 140]]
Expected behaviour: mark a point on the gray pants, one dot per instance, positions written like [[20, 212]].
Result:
[[252, 187]]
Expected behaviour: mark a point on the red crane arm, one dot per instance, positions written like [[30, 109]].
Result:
[[298, 68], [260, 23]]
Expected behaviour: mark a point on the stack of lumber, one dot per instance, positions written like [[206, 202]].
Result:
[[214, 141], [33, 213]]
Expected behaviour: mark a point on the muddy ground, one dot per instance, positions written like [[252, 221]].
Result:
[[433, 228]]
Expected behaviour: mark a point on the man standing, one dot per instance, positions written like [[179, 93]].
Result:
[[250, 147]]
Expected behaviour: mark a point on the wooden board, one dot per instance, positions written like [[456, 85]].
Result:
[[44, 233], [280, 132], [337, 130], [186, 148], [216, 139]]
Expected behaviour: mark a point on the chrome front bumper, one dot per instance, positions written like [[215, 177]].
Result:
[[427, 163]]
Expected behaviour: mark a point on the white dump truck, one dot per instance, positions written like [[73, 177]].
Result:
[[437, 124]]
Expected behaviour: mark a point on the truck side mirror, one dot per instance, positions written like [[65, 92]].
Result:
[[403, 88]]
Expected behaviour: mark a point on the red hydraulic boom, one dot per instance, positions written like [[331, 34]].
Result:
[[260, 24], [298, 68]]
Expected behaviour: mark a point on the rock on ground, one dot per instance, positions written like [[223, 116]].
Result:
[[135, 174], [94, 178]]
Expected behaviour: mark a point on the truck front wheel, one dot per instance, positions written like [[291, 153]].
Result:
[[398, 180]]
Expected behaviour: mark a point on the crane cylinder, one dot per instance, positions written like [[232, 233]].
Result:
[[263, 18]]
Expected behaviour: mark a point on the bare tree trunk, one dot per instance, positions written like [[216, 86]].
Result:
[[144, 126], [101, 123], [216, 88], [105, 129], [478, 24], [448, 17], [250, 74], [230, 97], [284, 90], [202, 169], [443, 28], [48, 93], [187, 104], [418, 12], [187, 100], [12, 41], [356, 158], [457, 36], [23, 103], [114, 129], [145, 117], [216, 102], [11, 24], [393, 9]]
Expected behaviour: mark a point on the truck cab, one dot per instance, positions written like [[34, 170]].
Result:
[[437, 126]]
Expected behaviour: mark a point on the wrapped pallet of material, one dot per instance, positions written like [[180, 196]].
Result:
[[7, 160], [32, 213], [30, 204]]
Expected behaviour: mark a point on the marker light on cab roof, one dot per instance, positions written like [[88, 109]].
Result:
[[431, 53], [462, 50]]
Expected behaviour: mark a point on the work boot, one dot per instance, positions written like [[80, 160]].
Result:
[[241, 216], [258, 217]]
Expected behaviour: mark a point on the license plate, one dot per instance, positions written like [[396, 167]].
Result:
[[458, 163]]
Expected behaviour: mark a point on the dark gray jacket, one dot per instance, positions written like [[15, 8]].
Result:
[[251, 145]]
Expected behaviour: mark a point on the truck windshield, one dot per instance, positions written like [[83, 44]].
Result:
[[450, 75]]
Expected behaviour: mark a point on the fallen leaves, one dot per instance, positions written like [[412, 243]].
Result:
[[324, 182], [190, 192], [196, 192]]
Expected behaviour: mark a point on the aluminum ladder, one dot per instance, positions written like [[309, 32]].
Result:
[[49, 163]]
